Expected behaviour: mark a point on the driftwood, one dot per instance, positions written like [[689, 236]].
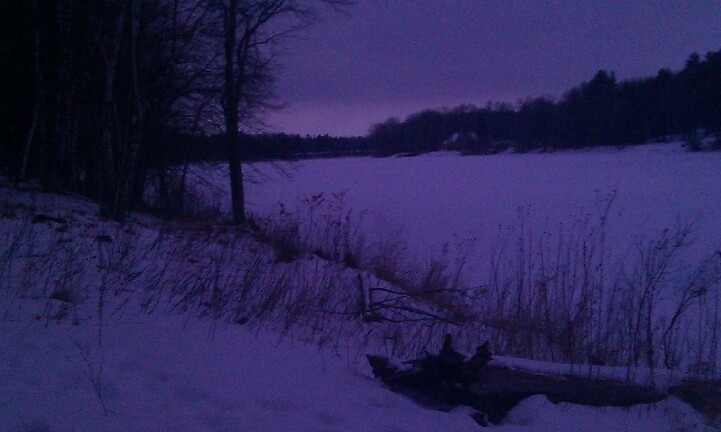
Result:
[[449, 379]]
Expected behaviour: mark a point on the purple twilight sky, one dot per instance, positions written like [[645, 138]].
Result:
[[394, 57]]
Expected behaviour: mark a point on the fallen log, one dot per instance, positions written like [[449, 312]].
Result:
[[449, 379], [500, 388]]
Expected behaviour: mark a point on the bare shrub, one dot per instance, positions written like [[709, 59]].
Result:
[[179, 193], [555, 297], [282, 233]]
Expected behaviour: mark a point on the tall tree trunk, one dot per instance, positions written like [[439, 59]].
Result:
[[129, 154], [230, 111], [70, 172], [38, 94], [108, 175]]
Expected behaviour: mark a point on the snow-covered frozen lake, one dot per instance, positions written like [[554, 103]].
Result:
[[442, 198]]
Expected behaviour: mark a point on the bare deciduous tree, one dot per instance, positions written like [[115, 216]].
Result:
[[251, 31]]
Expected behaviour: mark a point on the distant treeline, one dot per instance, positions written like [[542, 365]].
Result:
[[181, 148], [602, 111]]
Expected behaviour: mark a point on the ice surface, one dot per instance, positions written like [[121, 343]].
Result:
[[442, 198]]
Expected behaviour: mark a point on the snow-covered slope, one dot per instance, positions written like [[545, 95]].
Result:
[[103, 364], [164, 373], [161, 373]]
